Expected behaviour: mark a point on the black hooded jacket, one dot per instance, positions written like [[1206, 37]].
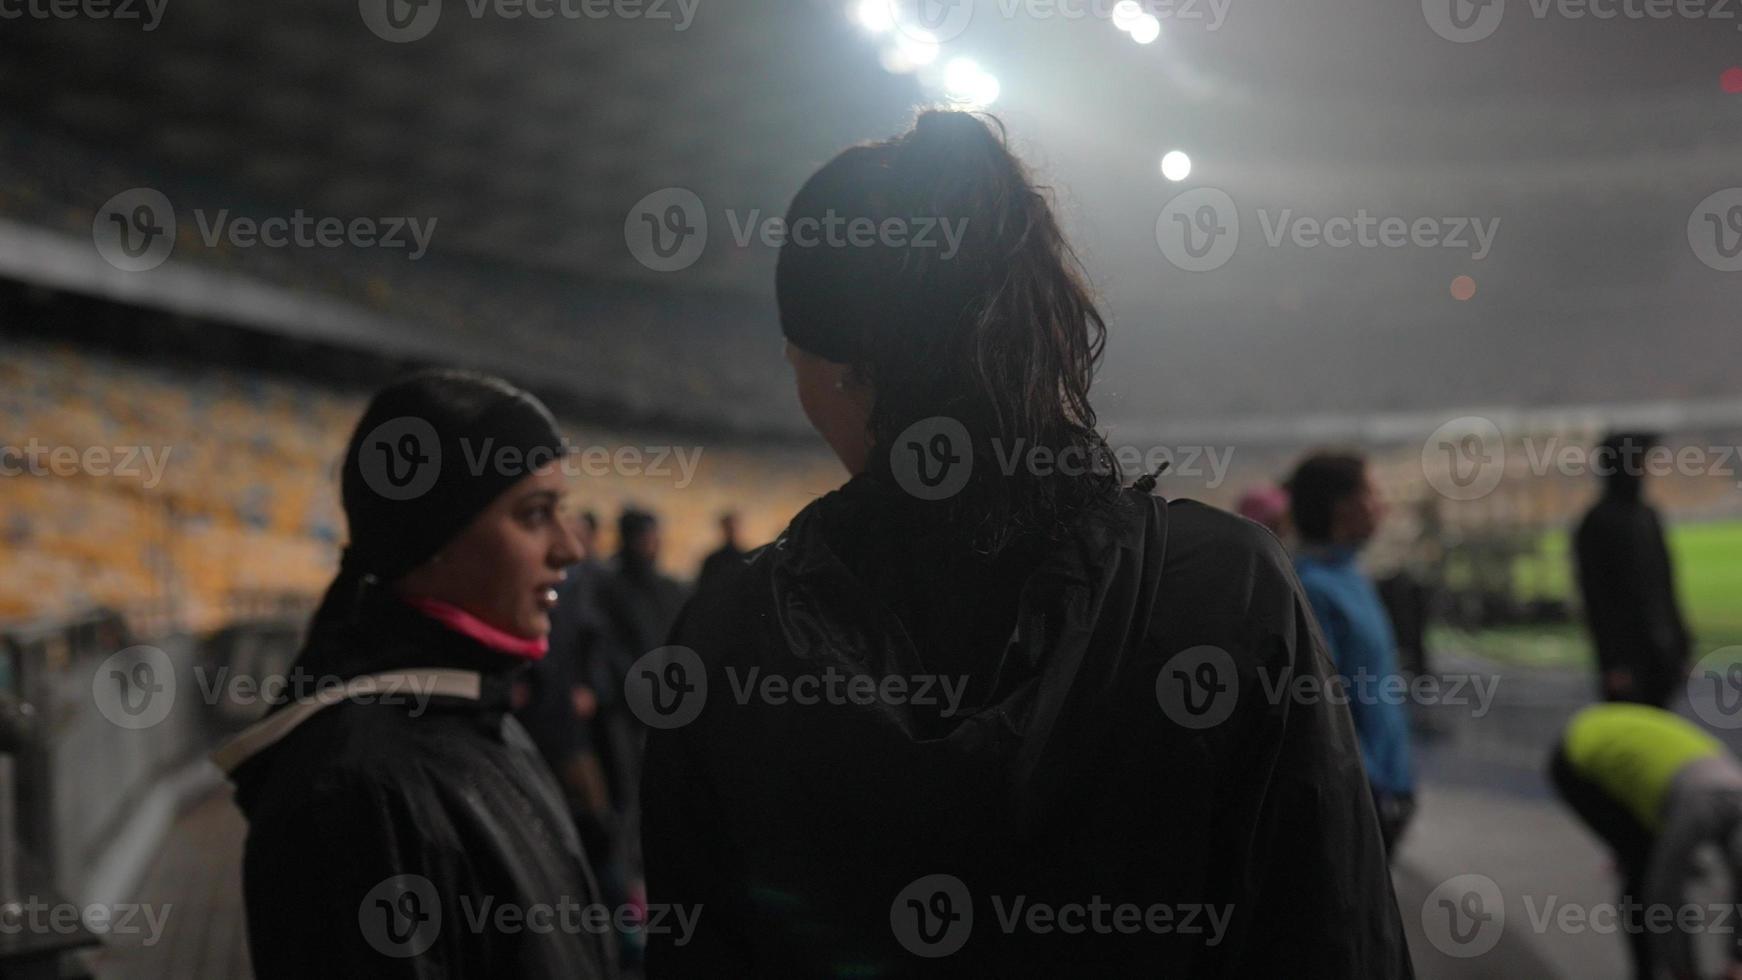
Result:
[[1627, 583], [1078, 811], [404, 835]]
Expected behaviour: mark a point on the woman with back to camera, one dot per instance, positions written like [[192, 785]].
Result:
[[982, 710], [407, 827]]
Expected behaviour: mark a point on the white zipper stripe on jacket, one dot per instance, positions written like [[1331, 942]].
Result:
[[466, 684]]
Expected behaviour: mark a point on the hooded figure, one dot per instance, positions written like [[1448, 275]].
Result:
[[401, 823], [1627, 582], [982, 711]]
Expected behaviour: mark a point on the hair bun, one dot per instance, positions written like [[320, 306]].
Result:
[[953, 126]]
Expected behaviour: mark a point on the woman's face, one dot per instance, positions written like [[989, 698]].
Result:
[[504, 566], [837, 404]]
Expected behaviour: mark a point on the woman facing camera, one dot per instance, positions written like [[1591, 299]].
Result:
[[984, 710], [401, 824]]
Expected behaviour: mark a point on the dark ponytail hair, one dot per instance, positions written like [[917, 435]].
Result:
[[1001, 335]]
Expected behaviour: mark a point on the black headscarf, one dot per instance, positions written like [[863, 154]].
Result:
[[429, 454]]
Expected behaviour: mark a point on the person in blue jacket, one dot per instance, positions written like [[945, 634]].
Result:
[[1336, 510]]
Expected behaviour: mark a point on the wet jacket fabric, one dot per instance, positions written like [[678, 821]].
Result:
[[411, 836], [1081, 807]]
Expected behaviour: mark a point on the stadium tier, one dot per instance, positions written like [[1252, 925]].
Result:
[[181, 494]]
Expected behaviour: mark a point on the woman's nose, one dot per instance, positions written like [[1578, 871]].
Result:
[[568, 547]]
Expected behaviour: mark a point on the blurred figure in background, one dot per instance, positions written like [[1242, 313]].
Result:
[[1656, 788], [724, 559], [1336, 509], [639, 604], [587, 532], [1627, 582], [558, 699], [1003, 635], [1266, 504]]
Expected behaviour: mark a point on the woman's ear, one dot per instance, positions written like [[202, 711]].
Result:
[[837, 399]]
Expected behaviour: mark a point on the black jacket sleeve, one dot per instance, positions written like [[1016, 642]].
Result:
[[1316, 897]]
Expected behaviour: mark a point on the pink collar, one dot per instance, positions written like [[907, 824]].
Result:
[[463, 622]]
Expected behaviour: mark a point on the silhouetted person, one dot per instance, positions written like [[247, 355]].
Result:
[[724, 560], [559, 701], [1655, 787], [1020, 691], [1627, 582], [1336, 510], [639, 603]]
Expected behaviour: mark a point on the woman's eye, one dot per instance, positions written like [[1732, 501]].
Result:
[[538, 515]]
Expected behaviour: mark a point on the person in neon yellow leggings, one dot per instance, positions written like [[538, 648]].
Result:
[[1655, 787]]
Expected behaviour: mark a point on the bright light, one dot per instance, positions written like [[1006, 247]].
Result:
[[875, 16], [895, 61], [916, 47], [1126, 13], [961, 74], [1176, 165], [1146, 29], [968, 85]]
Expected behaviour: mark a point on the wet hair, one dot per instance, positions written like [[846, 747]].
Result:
[[1321, 481], [994, 328]]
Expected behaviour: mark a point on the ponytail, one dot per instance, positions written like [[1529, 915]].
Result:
[[981, 316]]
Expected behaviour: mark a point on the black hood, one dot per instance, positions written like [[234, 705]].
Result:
[[1031, 636], [1060, 775]]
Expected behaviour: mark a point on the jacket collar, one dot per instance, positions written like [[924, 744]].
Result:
[[383, 633]]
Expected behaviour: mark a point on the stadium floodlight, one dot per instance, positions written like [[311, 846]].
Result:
[[1126, 14], [876, 16], [1175, 165], [968, 85], [916, 46]]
